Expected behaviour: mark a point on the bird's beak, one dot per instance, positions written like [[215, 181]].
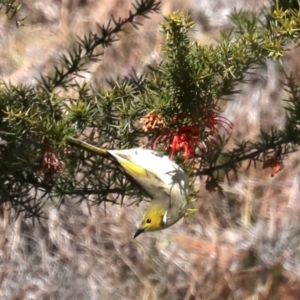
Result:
[[138, 232]]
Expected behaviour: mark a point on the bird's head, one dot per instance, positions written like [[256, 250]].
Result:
[[155, 218]]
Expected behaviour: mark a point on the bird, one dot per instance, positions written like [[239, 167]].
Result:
[[161, 178]]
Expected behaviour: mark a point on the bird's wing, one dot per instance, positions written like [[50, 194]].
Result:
[[147, 179], [155, 172], [135, 170]]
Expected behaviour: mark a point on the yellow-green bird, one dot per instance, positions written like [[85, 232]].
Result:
[[163, 180]]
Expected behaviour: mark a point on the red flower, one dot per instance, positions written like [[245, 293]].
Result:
[[216, 120], [188, 137], [275, 163]]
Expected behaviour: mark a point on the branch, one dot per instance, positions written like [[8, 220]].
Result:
[[83, 53], [228, 165]]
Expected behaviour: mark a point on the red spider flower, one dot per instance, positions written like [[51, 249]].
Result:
[[275, 163], [215, 120], [186, 138]]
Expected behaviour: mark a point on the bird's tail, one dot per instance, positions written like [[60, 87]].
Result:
[[87, 146], [139, 173]]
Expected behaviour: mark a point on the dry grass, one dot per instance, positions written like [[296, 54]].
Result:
[[241, 246]]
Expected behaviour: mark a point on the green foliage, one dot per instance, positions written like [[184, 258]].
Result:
[[186, 89], [36, 121]]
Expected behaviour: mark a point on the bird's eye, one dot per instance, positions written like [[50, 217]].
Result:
[[148, 221]]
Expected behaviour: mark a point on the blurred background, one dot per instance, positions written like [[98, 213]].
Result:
[[82, 252]]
